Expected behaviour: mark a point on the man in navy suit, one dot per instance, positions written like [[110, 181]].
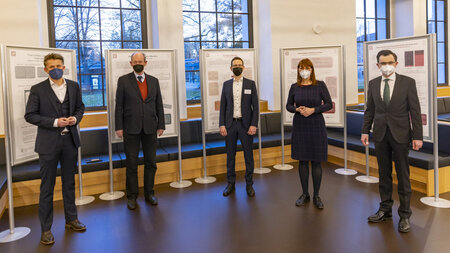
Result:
[[55, 106], [139, 118], [238, 119], [394, 109]]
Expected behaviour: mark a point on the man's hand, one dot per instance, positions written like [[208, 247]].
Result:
[[365, 139], [63, 122], [72, 120], [160, 132], [119, 133], [417, 144], [252, 130], [223, 131]]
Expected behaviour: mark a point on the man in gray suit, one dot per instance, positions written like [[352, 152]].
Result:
[[139, 119], [393, 108]]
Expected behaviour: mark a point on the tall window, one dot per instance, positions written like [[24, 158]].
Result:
[[372, 23], [91, 26], [212, 24], [437, 23]]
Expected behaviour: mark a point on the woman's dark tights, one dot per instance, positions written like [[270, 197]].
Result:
[[316, 171]]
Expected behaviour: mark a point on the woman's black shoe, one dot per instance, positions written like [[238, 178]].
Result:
[[302, 200], [318, 202]]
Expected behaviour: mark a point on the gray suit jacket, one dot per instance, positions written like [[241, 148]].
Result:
[[402, 116], [133, 114]]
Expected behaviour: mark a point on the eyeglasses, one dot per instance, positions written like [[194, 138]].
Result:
[[386, 63]]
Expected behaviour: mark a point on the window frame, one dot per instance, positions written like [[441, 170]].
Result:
[[376, 19], [435, 21], [217, 41], [52, 41]]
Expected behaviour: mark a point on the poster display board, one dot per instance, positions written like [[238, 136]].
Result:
[[416, 59], [214, 71], [160, 64], [328, 66], [25, 68]]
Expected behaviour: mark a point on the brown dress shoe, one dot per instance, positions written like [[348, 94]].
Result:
[[47, 238], [76, 225]]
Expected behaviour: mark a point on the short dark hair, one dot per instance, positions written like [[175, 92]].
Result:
[[135, 53], [386, 53], [53, 56], [237, 58]]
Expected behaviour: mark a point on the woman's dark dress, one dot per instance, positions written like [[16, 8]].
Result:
[[309, 134]]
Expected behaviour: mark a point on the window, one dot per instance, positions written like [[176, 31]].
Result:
[[372, 23], [91, 26], [437, 23], [212, 24]]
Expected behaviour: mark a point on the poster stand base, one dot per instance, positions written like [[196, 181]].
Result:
[[19, 233], [205, 180], [84, 200], [432, 201], [261, 170], [345, 171], [367, 179], [283, 167], [112, 195], [181, 184]]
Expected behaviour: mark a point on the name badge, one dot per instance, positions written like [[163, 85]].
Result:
[[247, 91]]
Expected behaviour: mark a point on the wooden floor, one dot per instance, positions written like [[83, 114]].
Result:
[[199, 219]]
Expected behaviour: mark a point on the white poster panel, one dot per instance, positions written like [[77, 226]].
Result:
[[416, 60], [2, 78], [25, 68], [328, 66], [160, 64], [214, 71]]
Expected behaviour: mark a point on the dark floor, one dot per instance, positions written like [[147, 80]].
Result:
[[200, 219]]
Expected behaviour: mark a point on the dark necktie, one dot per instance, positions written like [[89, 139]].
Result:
[[139, 78], [386, 92]]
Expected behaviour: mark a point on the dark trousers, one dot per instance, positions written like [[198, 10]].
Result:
[[67, 155], [389, 150], [131, 145], [237, 130]]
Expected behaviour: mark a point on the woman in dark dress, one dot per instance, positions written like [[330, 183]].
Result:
[[308, 99]]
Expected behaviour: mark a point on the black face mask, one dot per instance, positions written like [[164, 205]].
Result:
[[138, 68], [237, 71]]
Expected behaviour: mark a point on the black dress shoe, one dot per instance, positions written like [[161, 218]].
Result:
[[317, 202], [404, 226], [131, 204], [250, 190], [380, 216], [303, 199], [152, 199], [76, 225], [47, 238], [228, 190]]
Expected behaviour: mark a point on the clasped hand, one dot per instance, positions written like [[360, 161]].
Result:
[[305, 111], [70, 121]]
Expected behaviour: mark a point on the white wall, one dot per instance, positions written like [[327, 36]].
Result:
[[291, 23]]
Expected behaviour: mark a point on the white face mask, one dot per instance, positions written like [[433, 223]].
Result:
[[305, 73], [387, 69]]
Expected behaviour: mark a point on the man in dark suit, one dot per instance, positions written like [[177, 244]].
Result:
[[393, 108], [239, 119], [139, 118], [55, 106]]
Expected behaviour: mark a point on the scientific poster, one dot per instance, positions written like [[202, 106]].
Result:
[[328, 66], [416, 60], [214, 71], [25, 68], [160, 64]]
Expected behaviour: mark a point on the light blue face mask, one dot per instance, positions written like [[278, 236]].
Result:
[[56, 73]]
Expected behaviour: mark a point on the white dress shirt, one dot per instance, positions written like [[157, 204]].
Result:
[[237, 94], [391, 83], [60, 92], [143, 76]]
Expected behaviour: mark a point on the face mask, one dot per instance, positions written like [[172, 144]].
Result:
[[237, 71], [387, 69], [305, 74], [138, 68], [56, 73]]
